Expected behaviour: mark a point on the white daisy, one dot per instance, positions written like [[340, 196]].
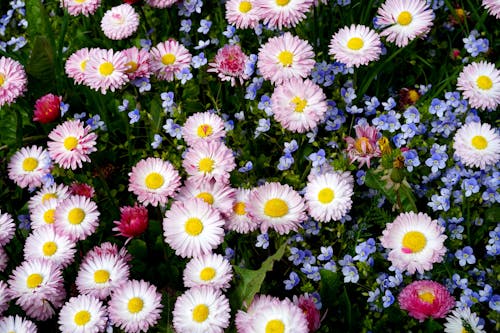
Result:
[[17, 324], [28, 166], [239, 220], [77, 217], [477, 145], [46, 243], [82, 314], [44, 214], [463, 320], [211, 269], [7, 228], [480, 84], [56, 191]]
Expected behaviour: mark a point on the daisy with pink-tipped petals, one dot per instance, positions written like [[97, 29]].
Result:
[[46, 243], [83, 314], [13, 80], [76, 217], [169, 58], [203, 126], [55, 191], [44, 214], [239, 220], [4, 259], [208, 270], [493, 7], [105, 70], [4, 297], [154, 181], [81, 7], [137, 62], [7, 228], [29, 166], [161, 3], [477, 145], [217, 194], [230, 64], [120, 22], [242, 13], [364, 146], [480, 85], [17, 324], [76, 65], [282, 13]]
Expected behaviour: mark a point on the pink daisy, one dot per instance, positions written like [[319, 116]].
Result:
[[404, 20], [480, 85], [477, 145], [120, 22], [423, 299], [209, 161], [83, 189], [133, 221], [29, 166], [4, 298], [55, 191], [355, 45], [76, 217], [77, 7], [13, 80], [306, 303], [242, 13], [203, 126], [201, 310], [76, 65], [4, 259], [493, 7], [415, 242], [193, 228], [83, 314], [7, 228], [107, 248], [239, 220], [285, 57], [276, 206], [243, 319], [71, 143], [105, 70], [218, 195], [161, 3], [229, 64], [44, 214], [47, 108], [17, 324], [299, 105], [154, 181], [135, 307], [209, 270], [137, 62], [364, 147], [46, 243], [282, 13], [169, 58]]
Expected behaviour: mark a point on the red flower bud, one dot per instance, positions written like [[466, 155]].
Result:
[[47, 108], [133, 221]]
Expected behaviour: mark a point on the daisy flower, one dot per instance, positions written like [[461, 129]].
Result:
[[298, 105], [120, 22], [201, 310], [4, 259], [229, 64], [219, 195], [99, 275], [169, 58], [47, 108], [285, 57], [105, 70], [84, 7], [46, 243], [82, 314], [55, 191], [423, 299], [239, 220], [133, 221], [365, 146], [328, 197], [493, 7], [193, 228], [76, 217], [282, 13], [209, 161], [17, 324], [480, 85], [477, 145], [135, 307], [4, 298], [463, 320], [76, 65], [160, 3], [13, 80], [243, 319], [355, 45], [34, 284], [28, 166], [154, 181], [44, 214], [107, 248], [242, 13], [415, 242], [276, 206], [7, 228], [404, 20], [211, 270], [203, 126], [71, 143], [137, 62]]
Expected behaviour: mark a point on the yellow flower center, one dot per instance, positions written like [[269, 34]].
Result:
[[479, 142], [204, 130], [193, 226], [30, 164], [48, 196], [363, 142], [135, 305], [76, 216], [34, 280], [83, 65], [245, 6], [2, 79], [413, 95], [206, 165], [326, 195], [207, 274], [200, 313], [275, 326], [355, 43], [70, 143], [80, 1], [207, 197], [82, 317], [414, 242], [427, 297], [131, 67], [282, 2], [275, 208], [49, 248], [49, 216], [239, 208], [405, 18], [484, 82], [300, 104], [285, 58], [101, 276], [168, 59], [106, 68], [154, 181]]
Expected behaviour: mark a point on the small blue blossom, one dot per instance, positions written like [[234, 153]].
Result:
[[143, 84], [470, 186], [348, 94], [95, 122], [230, 31], [265, 104], [134, 116], [326, 253], [24, 222], [350, 274], [247, 167], [438, 107], [285, 162], [184, 75], [228, 253], [494, 303], [390, 104], [157, 139], [263, 241], [173, 129], [387, 299], [124, 105], [290, 147], [292, 281], [205, 26], [318, 158], [264, 126], [311, 272], [199, 60], [465, 256], [185, 25]]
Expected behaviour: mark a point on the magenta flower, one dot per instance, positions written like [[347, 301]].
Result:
[[364, 147]]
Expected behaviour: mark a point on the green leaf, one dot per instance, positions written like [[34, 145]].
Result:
[[407, 199], [138, 248], [8, 127], [492, 215], [39, 21], [251, 280], [41, 66], [329, 288]]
